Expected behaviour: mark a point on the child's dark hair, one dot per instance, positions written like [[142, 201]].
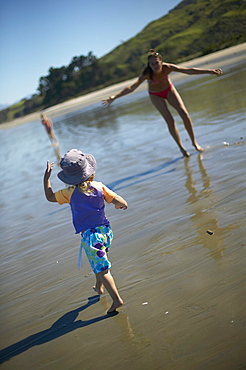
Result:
[[148, 70]]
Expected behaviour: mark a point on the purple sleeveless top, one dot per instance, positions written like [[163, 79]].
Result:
[[88, 210]]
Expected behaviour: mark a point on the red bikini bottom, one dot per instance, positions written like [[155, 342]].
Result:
[[162, 94]]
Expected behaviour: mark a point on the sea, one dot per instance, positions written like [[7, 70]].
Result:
[[178, 254]]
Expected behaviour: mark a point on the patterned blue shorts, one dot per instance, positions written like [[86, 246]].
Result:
[[96, 243]]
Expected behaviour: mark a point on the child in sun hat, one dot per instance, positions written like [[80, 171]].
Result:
[[86, 198]]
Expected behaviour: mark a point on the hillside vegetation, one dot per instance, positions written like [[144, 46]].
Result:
[[192, 29]]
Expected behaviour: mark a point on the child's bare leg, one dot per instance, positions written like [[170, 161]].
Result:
[[108, 281], [99, 288]]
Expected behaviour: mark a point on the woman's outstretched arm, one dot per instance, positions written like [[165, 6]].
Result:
[[125, 91], [193, 71]]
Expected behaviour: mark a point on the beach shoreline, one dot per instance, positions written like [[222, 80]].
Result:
[[219, 59]]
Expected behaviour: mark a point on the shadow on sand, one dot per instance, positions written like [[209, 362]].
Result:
[[62, 326], [115, 184]]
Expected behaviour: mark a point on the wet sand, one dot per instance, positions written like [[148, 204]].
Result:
[[220, 59], [183, 288]]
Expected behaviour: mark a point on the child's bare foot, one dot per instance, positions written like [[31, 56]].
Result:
[[185, 153], [115, 305], [198, 147], [98, 290]]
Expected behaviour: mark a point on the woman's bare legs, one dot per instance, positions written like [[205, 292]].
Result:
[[161, 106], [176, 101], [105, 278]]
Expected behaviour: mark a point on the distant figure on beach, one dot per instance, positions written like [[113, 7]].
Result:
[[50, 131], [161, 89], [48, 126], [86, 198]]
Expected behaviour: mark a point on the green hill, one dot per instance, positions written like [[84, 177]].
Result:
[[192, 29]]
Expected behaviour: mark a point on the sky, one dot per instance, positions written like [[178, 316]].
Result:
[[38, 34]]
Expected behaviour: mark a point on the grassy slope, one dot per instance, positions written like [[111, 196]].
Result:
[[192, 29]]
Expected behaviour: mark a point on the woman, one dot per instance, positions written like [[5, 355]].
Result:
[[161, 89]]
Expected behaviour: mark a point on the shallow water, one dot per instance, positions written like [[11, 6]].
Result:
[[184, 290]]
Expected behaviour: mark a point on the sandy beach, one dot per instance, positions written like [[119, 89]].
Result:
[[178, 253], [220, 59]]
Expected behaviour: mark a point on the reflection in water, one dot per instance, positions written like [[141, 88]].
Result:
[[203, 215], [127, 333]]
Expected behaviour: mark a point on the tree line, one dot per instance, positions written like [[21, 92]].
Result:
[[84, 74]]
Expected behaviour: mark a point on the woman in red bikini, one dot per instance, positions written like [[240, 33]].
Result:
[[161, 89]]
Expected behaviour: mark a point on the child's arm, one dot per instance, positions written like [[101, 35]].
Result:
[[119, 202], [50, 196]]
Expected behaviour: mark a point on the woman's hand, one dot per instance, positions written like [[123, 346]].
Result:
[[217, 71], [108, 101]]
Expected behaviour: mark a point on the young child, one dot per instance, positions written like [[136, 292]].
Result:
[[86, 198]]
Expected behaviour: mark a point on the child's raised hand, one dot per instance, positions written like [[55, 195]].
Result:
[[49, 168], [50, 196]]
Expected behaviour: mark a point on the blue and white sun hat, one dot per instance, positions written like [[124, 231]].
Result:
[[76, 167]]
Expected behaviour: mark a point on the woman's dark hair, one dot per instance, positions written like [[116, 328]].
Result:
[[148, 70]]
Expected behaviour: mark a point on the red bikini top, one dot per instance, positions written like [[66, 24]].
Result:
[[156, 81]]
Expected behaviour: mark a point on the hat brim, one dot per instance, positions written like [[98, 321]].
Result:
[[78, 178]]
